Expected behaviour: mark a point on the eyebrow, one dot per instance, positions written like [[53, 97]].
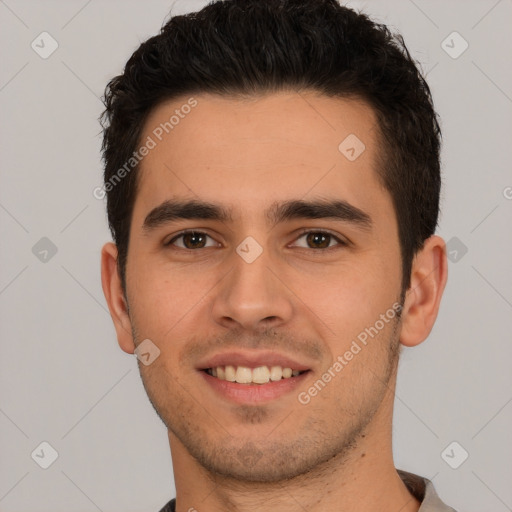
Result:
[[278, 212]]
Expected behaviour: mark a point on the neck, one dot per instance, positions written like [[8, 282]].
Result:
[[364, 479]]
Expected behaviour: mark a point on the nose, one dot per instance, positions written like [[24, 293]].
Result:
[[253, 296]]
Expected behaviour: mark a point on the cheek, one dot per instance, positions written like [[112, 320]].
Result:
[[349, 298], [164, 299]]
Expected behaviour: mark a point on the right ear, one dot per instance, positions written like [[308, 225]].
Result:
[[113, 291]]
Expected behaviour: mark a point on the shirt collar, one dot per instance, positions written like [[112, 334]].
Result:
[[423, 490]]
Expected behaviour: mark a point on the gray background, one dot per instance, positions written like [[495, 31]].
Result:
[[64, 380]]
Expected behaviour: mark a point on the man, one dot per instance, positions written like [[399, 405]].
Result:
[[272, 180]]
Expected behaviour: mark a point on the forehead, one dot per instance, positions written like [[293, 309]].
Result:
[[260, 149]]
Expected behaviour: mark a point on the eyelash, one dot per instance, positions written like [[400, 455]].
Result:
[[341, 243]]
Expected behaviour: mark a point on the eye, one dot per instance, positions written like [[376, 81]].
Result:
[[191, 240], [320, 240]]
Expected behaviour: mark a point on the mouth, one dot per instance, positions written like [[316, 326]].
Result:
[[251, 377], [258, 375]]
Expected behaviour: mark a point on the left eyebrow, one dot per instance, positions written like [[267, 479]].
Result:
[[320, 209], [277, 213]]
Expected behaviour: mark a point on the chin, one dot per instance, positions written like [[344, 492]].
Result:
[[273, 463]]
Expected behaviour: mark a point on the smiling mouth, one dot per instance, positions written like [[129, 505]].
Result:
[[258, 375]]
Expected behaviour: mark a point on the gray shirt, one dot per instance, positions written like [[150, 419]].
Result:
[[421, 488]]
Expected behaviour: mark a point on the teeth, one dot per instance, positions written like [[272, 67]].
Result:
[[261, 375], [246, 375], [276, 373], [243, 375], [230, 373]]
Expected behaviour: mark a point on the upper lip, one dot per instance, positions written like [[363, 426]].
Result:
[[251, 360]]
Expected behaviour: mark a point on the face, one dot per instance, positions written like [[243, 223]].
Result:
[[290, 264]]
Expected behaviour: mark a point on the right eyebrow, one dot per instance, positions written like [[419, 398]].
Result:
[[192, 209]]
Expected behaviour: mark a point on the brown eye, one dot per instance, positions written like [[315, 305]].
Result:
[[190, 240], [320, 240], [193, 240]]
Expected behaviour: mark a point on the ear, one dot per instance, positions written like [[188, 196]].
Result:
[[428, 278], [113, 291]]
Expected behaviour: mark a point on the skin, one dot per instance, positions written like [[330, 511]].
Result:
[[333, 453]]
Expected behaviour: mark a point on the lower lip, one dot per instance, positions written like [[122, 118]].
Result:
[[254, 393]]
